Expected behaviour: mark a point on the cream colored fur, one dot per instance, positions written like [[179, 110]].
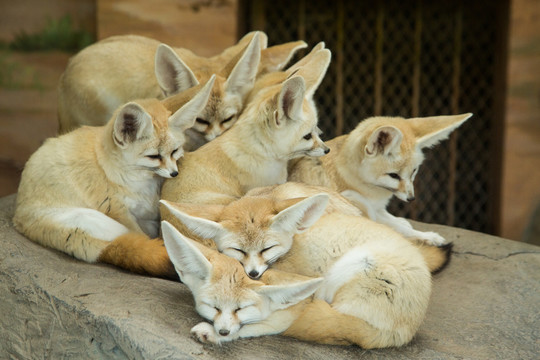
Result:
[[279, 124], [377, 160], [81, 191], [121, 68], [375, 281]]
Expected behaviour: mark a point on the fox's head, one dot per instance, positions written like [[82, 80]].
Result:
[[388, 151], [256, 231], [282, 108], [233, 83], [223, 294], [149, 137]]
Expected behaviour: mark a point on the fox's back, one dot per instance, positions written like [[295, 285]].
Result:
[[63, 170]]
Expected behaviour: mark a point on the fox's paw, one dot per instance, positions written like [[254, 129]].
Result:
[[432, 238], [204, 332]]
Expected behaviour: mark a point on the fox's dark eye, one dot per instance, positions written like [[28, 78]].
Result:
[[175, 151], [268, 248], [308, 136], [227, 119], [202, 121], [154, 157], [394, 176]]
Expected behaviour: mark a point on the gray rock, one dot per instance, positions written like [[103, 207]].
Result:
[[485, 305]]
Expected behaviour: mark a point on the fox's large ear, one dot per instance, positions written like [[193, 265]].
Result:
[[301, 215], [297, 65], [429, 131], [187, 259], [206, 229], [242, 76], [290, 100], [283, 296], [384, 140], [173, 75], [314, 70], [131, 123], [184, 118], [277, 57], [233, 51]]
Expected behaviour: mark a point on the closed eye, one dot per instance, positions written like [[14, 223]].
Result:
[[268, 248], [227, 119], [394, 176], [240, 251], [202, 121], [308, 136], [175, 151], [154, 157]]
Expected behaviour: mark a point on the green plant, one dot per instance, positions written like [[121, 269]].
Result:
[[57, 35]]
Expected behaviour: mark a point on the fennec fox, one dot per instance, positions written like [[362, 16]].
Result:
[[236, 305], [90, 192], [279, 124], [377, 160], [376, 283], [121, 68]]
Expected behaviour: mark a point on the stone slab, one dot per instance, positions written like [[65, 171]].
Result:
[[485, 305]]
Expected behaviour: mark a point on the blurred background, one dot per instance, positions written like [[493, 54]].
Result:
[[389, 57]]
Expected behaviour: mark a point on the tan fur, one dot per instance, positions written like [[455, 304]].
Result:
[[121, 68], [256, 150], [360, 164], [82, 190], [376, 279], [139, 254]]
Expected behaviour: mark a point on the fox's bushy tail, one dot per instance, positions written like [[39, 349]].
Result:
[[436, 257], [139, 254], [321, 323]]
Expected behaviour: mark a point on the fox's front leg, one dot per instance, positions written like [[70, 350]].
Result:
[[405, 228], [206, 333]]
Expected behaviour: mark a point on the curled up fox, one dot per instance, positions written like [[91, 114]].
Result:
[[89, 192], [373, 285]]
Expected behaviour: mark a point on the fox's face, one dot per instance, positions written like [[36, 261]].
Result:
[[391, 149], [395, 173], [220, 114], [223, 293], [256, 231], [150, 137], [226, 102]]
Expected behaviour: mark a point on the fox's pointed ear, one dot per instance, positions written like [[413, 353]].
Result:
[[184, 118], [206, 229], [290, 100], [276, 57], [173, 75], [297, 65], [384, 140], [242, 76], [283, 296], [314, 70], [187, 259], [301, 215], [429, 131], [131, 123]]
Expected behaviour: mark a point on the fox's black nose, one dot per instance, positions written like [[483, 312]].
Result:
[[174, 174], [254, 274], [224, 332], [411, 198], [327, 150]]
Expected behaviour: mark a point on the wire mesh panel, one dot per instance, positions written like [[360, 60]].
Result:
[[410, 58]]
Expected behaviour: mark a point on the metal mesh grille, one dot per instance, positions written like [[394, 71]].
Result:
[[408, 58]]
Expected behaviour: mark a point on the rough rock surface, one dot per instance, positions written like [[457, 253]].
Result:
[[485, 305]]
